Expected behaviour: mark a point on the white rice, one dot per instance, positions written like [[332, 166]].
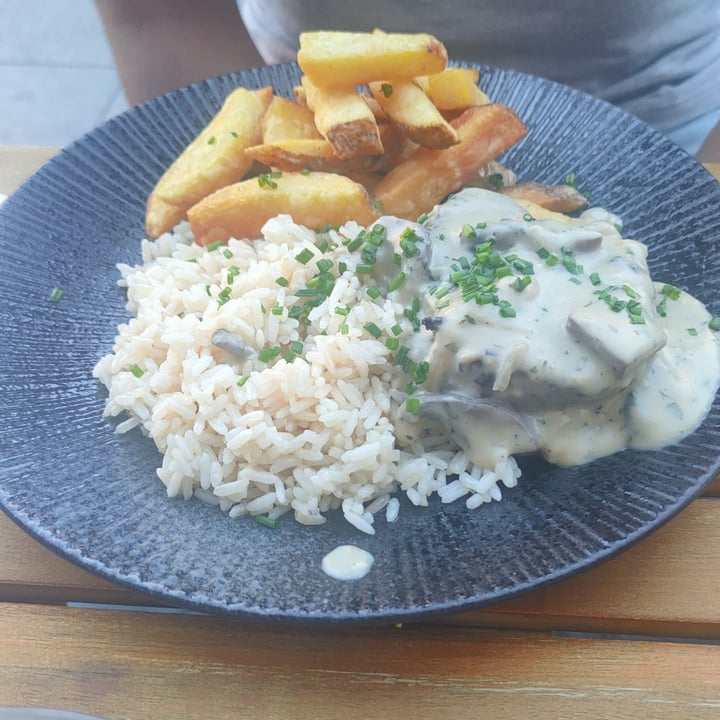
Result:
[[308, 435]]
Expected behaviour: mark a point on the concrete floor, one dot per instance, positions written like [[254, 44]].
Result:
[[57, 77]]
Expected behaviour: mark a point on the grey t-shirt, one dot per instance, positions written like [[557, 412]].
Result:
[[658, 59]]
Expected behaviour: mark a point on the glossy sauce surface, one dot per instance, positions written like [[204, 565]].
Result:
[[581, 354]]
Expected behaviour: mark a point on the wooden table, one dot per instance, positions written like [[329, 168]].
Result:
[[634, 637]]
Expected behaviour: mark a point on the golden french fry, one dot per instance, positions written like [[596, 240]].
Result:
[[286, 119], [454, 89], [297, 154], [559, 198], [161, 216], [314, 200], [354, 58], [214, 158], [344, 119], [379, 114], [428, 176], [414, 113]]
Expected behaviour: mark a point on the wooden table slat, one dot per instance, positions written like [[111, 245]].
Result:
[[186, 666], [635, 592]]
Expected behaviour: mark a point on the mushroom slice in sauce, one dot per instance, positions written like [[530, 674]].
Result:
[[464, 417], [232, 344]]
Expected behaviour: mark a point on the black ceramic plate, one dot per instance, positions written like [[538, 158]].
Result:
[[93, 496]]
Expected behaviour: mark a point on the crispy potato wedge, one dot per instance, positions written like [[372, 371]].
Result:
[[492, 176], [355, 58], [286, 119], [214, 158], [428, 176], [344, 119], [413, 112], [298, 154], [541, 213], [559, 198], [454, 89], [314, 200]]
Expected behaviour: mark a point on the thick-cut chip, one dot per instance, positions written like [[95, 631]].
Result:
[[428, 176], [559, 198], [314, 200], [454, 89], [354, 58], [414, 113], [216, 157], [298, 154], [286, 119], [344, 118]]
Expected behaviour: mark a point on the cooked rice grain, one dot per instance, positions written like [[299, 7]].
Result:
[[308, 433]]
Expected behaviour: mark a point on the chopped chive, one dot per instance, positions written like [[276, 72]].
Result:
[[692, 331], [289, 356], [671, 291], [268, 353], [521, 283], [265, 180], [339, 310], [397, 281], [373, 329], [595, 278], [422, 218], [420, 372], [324, 264], [215, 245], [629, 291], [714, 323], [56, 294], [356, 242], [227, 253], [396, 329], [243, 379], [305, 171], [296, 346], [506, 309], [575, 280], [373, 292], [224, 295], [345, 329], [136, 370], [392, 343], [305, 256], [496, 181], [387, 89], [277, 309], [364, 269], [267, 521], [412, 405], [211, 140], [342, 267], [282, 282]]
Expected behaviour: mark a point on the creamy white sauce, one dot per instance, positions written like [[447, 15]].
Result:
[[567, 376], [347, 562]]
